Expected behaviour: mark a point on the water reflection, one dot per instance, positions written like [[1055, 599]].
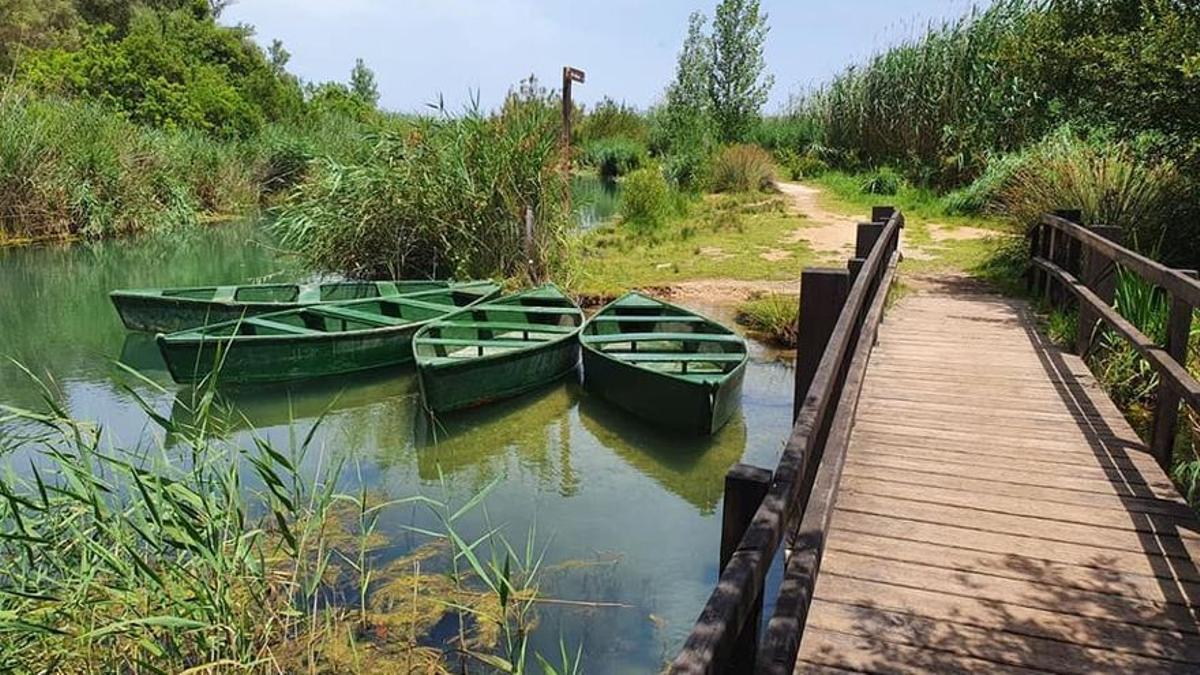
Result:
[[692, 467]]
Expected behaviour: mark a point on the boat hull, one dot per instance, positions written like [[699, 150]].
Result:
[[680, 405], [248, 360], [158, 314], [454, 386]]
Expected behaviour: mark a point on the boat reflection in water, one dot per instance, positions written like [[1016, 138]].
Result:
[[692, 467], [477, 444]]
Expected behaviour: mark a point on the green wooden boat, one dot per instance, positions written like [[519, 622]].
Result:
[[166, 310], [313, 341], [664, 363], [497, 349]]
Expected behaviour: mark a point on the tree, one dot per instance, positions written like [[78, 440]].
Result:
[[738, 85], [685, 127], [362, 83]]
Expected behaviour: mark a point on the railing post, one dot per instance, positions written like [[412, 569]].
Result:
[[1059, 250], [745, 488], [1098, 273], [823, 293], [1166, 406], [865, 238], [882, 214]]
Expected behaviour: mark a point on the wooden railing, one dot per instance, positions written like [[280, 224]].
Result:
[[840, 312], [1069, 261]]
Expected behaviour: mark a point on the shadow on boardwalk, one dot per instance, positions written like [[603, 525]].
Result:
[[997, 513]]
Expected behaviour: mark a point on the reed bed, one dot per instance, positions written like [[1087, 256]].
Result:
[[202, 556]]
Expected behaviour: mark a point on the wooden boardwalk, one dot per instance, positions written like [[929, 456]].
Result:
[[997, 514]]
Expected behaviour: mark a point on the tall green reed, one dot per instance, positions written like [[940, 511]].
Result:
[[202, 555]]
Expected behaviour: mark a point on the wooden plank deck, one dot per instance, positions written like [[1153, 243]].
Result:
[[997, 513]]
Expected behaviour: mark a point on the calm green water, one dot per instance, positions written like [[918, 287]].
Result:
[[599, 487]]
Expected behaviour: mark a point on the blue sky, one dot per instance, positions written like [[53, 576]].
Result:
[[422, 48]]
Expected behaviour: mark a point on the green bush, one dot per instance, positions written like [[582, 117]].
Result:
[[883, 181], [799, 167], [443, 196], [74, 168], [743, 168], [613, 157], [170, 69], [610, 119], [646, 202], [1103, 178]]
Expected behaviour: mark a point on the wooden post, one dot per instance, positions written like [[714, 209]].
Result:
[[569, 76], [865, 238], [822, 295], [854, 266], [1032, 286], [1166, 407], [881, 214], [1098, 273], [745, 488], [1059, 247]]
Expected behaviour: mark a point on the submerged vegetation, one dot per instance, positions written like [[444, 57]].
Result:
[[202, 555]]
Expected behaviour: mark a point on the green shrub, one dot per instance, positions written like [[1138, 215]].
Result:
[[610, 119], [799, 167], [883, 181], [613, 157], [646, 202], [74, 168], [1103, 178], [444, 196], [790, 133], [743, 168]]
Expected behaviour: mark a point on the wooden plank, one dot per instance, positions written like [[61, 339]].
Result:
[[968, 641], [1038, 623], [1142, 562], [869, 655], [1157, 489], [987, 588], [1013, 566], [870, 478], [1166, 542]]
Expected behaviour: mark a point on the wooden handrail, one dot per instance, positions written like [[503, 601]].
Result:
[[1051, 259], [733, 601]]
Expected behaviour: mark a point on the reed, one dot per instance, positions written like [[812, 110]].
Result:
[[446, 197], [200, 556]]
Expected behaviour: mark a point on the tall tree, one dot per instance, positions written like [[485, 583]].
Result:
[[362, 83], [739, 84]]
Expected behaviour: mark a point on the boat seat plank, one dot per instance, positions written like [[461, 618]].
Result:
[[409, 300], [642, 318], [356, 315], [528, 309], [683, 357], [482, 342], [661, 337], [510, 326], [279, 326]]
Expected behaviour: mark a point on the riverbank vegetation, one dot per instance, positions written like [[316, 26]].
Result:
[[118, 118], [202, 556]]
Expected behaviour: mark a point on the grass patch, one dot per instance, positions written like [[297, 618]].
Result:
[[772, 317], [744, 237]]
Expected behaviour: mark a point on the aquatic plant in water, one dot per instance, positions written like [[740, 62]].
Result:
[[201, 555]]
